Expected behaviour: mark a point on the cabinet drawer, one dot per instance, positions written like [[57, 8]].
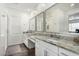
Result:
[[49, 46], [64, 52], [49, 52]]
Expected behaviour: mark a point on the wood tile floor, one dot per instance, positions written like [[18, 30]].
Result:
[[20, 50]]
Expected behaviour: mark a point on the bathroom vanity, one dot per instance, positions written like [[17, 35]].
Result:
[[58, 45]]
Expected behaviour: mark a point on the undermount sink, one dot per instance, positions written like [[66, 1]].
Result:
[[52, 40]]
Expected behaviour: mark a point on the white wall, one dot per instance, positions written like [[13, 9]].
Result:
[[15, 30], [15, 35], [17, 24], [25, 21], [24, 24], [3, 29]]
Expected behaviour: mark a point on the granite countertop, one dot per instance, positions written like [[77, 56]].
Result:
[[63, 42]]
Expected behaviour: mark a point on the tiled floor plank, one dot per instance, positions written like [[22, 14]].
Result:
[[20, 50]]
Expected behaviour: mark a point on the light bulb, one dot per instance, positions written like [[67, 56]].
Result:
[[72, 4]]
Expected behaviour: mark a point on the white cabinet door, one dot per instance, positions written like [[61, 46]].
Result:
[[49, 49], [45, 49], [39, 51], [64, 52], [40, 22], [3, 33], [49, 52]]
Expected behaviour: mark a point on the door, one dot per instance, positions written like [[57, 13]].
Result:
[[15, 33], [3, 33]]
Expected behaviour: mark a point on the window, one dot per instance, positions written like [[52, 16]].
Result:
[[74, 22], [73, 27]]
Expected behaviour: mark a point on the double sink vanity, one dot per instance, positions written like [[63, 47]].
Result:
[[52, 44]]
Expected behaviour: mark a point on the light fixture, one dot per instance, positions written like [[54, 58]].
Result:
[[43, 5], [28, 10], [72, 4]]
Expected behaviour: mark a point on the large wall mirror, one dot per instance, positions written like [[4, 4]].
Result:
[[40, 22], [74, 22], [32, 24]]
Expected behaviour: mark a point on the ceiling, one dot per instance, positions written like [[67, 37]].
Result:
[[31, 9], [25, 7]]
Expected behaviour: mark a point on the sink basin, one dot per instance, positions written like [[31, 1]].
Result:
[[52, 40]]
